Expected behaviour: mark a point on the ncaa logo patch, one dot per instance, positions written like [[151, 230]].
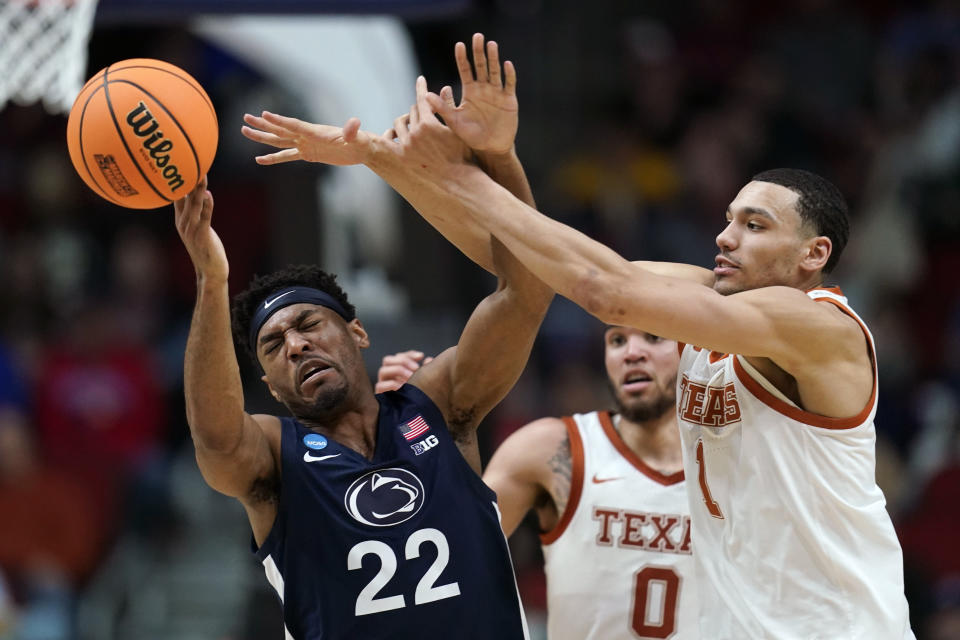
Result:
[[384, 497], [315, 441]]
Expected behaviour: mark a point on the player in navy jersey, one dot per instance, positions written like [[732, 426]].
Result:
[[368, 511]]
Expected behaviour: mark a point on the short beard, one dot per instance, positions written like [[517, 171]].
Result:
[[327, 405], [646, 410], [726, 291], [329, 400]]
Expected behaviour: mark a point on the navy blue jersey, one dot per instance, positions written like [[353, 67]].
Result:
[[407, 545]]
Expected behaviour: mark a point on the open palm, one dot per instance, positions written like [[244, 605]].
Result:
[[486, 118], [299, 140]]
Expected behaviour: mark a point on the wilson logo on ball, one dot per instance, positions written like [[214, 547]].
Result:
[[145, 126]]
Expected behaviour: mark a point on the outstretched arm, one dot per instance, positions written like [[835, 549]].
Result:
[[775, 322], [232, 449], [468, 380], [485, 121]]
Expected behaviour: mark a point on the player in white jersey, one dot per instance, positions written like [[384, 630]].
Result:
[[785, 229], [608, 491], [807, 482]]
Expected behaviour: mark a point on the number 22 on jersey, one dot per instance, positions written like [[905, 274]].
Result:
[[426, 591]]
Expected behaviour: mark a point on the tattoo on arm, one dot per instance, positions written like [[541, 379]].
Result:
[[561, 470]]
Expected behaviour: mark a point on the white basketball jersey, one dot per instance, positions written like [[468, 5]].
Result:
[[618, 563], [793, 539]]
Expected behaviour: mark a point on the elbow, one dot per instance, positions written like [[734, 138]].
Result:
[[602, 296], [529, 294]]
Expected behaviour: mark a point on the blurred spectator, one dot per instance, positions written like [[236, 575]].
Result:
[[50, 537], [929, 533], [100, 410], [12, 391], [944, 623], [8, 619]]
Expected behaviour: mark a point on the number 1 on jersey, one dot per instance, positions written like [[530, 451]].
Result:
[[708, 500]]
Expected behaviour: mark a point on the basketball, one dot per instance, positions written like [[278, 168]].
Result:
[[142, 133]]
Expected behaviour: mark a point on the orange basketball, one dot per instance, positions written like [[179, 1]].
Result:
[[142, 133]]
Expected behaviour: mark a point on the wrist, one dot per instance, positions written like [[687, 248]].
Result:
[[492, 157], [211, 280]]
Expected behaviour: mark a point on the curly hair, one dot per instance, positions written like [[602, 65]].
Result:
[[246, 302], [820, 205]]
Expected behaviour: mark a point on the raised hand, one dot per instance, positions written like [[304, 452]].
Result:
[[396, 369], [301, 140], [487, 117], [192, 215], [422, 141]]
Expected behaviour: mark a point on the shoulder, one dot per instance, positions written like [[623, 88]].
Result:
[[543, 434], [410, 397], [534, 449], [790, 301], [806, 328], [271, 428]]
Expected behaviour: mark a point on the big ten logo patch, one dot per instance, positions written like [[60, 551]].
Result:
[[425, 445], [708, 406]]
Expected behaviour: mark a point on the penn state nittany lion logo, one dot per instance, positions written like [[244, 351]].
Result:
[[384, 497]]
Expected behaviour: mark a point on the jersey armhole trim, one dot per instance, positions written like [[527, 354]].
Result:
[[272, 541], [576, 483], [806, 417]]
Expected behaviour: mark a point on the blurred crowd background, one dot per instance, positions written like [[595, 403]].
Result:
[[639, 123]]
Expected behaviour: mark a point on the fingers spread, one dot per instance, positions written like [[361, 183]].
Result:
[[463, 64], [479, 58], [287, 155], [206, 210], [447, 94], [510, 75], [414, 116], [439, 105], [493, 60], [266, 138], [265, 125], [351, 129], [290, 124], [401, 127], [425, 110]]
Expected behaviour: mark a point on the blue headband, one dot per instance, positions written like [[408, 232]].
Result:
[[284, 298]]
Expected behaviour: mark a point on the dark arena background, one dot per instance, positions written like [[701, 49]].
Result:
[[639, 121]]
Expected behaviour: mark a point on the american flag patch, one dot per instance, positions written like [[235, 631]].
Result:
[[415, 428]]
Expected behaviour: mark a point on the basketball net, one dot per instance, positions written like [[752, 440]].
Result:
[[43, 51]]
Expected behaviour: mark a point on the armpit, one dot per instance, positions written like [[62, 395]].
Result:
[[265, 490], [461, 420]]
